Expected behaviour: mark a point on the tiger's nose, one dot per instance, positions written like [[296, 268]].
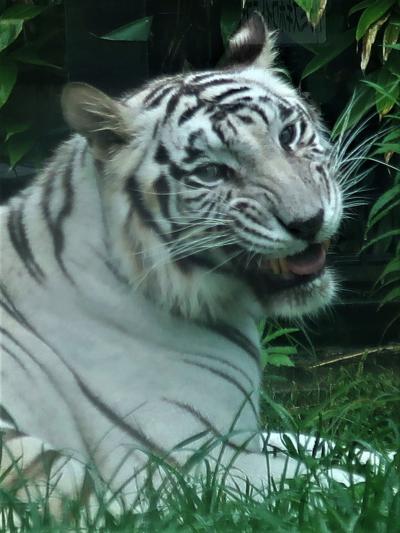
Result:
[[305, 229]]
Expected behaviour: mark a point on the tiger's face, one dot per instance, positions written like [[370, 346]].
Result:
[[228, 173]]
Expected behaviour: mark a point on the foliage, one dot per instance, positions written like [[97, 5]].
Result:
[[336, 402], [277, 354], [23, 47], [375, 29], [138, 30], [313, 8]]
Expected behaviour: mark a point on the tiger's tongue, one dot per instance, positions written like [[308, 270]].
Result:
[[310, 261]]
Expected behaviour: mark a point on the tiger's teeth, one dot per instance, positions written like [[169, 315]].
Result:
[[283, 265], [275, 266]]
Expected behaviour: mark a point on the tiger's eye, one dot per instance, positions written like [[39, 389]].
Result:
[[287, 135]]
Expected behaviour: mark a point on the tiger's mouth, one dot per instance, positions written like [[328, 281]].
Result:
[[290, 271]]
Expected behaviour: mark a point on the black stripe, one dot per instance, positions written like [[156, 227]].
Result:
[[113, 417], [56, 226], [207, 424], [284, 111], [226, 377], [176, 171], [162, 189], [240, 106], [213, 83], [245, 119], [17, 343], [10, 434], [65, 212], [155, 129], [136, 197], [227, 363], [193, 153], [171, 105], [20, 242], [111, 268], [232, 127], [9, 306], [202, 76], [217, 130], [17, 315], [14, 357], [189, 113], [162, 156], [303, 126], [311, 139], [158, 93], [230, 92], [252, 231], [6, 417], [235, 336]]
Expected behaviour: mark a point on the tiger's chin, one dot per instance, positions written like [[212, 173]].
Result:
[[293, 286], [305, 299]]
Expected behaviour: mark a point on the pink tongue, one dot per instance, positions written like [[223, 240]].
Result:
[[308, 262]]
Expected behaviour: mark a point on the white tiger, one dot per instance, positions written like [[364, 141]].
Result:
[[135, 269]]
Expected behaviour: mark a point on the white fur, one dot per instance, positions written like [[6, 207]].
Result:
[[120, 343]]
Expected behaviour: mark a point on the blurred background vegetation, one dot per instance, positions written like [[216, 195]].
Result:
[[339, 52]]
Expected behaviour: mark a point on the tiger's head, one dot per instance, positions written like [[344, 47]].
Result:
[[217, 187]]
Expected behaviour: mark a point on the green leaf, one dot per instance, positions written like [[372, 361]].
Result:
[[280, 360], [279, 333], [392, 266], [391, 278], [392, 194], [29, 56], [392, 136], [17, 147], [360, 5], [306, 5], [314, 9], [392, 295], [387, 90], [138, 31], [390, 36], [387, 235], [277, 360], [22, 12], [394, 46], [383, 213], [385, 203], [9, 32], [388, 147], [12, 128], [371, 14], [329, 52], [8, 77]]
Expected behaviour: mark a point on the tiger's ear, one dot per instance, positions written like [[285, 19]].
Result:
[[96, 116], [252, 44]]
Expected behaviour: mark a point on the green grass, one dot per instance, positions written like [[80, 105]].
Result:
[[351, 405]]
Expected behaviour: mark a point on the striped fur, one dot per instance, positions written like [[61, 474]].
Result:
[[128, 299]]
